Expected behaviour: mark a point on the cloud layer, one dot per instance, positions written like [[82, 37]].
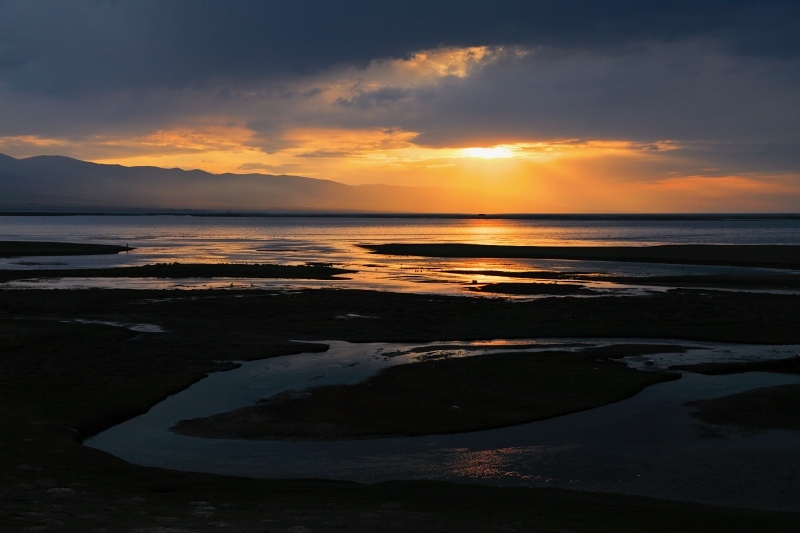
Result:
[[620, 93]]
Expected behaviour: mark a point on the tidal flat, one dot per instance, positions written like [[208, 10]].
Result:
[[769, 280], [441, 396], [185, 271], [71, 366], [38, 249], [753, 410], [62, 381]]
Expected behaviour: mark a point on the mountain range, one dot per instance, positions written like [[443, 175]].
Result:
[[57, 183]]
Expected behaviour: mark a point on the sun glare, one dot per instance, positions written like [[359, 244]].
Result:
[[496, 152]]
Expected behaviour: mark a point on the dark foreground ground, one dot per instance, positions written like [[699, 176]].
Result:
[[61, 381]]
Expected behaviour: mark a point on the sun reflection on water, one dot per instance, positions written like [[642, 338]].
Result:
[[503, 462]]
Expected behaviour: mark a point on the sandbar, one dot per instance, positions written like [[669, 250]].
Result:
[[768, 256], [754, 410], [438, 396], [35, 248], [184, 270]]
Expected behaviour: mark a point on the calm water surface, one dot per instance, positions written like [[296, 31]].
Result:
[[298, 240], [646, 445]]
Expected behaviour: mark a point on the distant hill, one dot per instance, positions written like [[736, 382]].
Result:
[[45, 183]]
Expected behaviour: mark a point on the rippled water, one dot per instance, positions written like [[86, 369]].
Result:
[[297, 240]]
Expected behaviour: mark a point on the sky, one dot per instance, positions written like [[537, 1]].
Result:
[[570, 106]]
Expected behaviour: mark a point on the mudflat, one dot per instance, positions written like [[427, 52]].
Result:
[[754, 410], [554, 289], [787, 365], [63, 380], [34, 248], [769, 256], [185, 270], [439, 396], [751, 281]]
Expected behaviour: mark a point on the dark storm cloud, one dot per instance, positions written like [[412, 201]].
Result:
[[379, 97], [691, 91], [85, 47]]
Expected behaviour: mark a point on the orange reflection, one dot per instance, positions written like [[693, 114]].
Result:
[[503, 462]]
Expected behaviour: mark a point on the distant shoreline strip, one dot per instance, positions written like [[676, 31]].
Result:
[[677, 217]]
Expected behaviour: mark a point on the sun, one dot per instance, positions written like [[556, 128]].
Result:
[[495, 152]]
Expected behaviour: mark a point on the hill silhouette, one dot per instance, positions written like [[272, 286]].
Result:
[[44, 183]]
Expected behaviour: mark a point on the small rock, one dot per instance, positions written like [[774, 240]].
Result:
[[62, 493], [24, 486], [47, 483], [161, 530], [52, 522], [136, 500], [299, 529], [165, 519], [202, 509], [24, 468], [390, 505]]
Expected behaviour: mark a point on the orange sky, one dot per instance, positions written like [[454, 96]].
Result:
[[336, 127]]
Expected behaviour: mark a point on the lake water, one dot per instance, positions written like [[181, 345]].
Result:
[[647, 445], [298, 240]]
